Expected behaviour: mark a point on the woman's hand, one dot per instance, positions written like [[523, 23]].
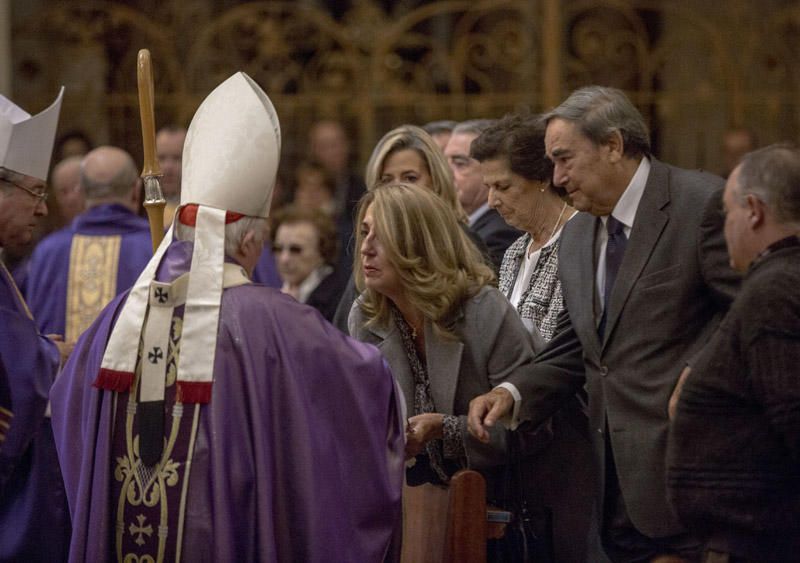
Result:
[[421, 429]]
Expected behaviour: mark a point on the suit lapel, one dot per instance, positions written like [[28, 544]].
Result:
[[647, 227], [482, 221], [582, 313], [443, 364]]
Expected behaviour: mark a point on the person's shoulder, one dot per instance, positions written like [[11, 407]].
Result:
[[770, 289], [54, 242], [254, 300], [356, 319], [142, 224], [257, 295], [281, 315], [698, 184], [487, 303]]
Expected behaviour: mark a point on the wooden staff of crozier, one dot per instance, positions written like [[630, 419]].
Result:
[[154, 201]]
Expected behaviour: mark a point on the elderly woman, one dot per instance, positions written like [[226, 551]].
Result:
[[558, 479], [517, 172], [427, 303], [304, 246]]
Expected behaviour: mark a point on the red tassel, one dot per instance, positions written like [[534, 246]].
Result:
[[194, 392], [110, 380]]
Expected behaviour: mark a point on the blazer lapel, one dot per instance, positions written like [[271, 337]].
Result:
[[390, 344], [444, 364], [647, 227]]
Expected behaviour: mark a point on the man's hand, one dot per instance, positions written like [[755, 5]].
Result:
[[421, 429], [487, 409], [64, 348], [672, 407]]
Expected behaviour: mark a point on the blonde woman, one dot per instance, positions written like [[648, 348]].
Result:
[[408, 154], [448, 335]]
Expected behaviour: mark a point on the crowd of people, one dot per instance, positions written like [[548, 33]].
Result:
[[298, 358]]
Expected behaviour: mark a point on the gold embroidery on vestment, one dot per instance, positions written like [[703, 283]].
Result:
[[92, 282], [142, 485]]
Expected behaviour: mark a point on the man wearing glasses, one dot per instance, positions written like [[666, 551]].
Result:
[[32, 500]]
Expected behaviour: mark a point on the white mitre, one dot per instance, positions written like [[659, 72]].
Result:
[[230, 161], [26, 143]]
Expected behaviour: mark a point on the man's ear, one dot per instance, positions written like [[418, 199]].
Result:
[[615, 146], [756, 211], [248, 244]]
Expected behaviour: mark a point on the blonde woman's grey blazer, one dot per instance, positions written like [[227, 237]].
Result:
[[490, 344]]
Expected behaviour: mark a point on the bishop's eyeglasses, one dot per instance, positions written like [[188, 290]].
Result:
[[41, 196]]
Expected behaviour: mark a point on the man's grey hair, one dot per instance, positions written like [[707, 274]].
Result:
[[599, 112], [119, 186], [772, 174], [441, 126], [234, 232], [473, 126]]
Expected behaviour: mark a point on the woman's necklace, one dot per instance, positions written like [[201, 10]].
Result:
[[552, 233]]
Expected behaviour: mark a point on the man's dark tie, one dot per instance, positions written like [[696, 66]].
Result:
[[615, 250]]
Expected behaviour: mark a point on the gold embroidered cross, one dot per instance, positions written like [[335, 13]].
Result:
[[141, 530]]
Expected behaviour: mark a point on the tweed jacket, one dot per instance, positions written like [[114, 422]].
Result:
[[541, 302]]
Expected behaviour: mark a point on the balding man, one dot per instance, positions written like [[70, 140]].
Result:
[[76, 271], [473, 194], [734, 455], [65, 182]]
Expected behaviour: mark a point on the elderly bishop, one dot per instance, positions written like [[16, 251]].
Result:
[[243, 427], [32, 503]]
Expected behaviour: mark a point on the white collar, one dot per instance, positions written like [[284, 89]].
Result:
[[475, 215], [625, 209], [308, 285]]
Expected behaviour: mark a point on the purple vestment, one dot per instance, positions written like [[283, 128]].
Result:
[[48, 270], [34, 523], [266, 272], [298, 456]]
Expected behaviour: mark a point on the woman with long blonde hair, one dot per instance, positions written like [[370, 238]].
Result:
[[408, 154], [427, 302]]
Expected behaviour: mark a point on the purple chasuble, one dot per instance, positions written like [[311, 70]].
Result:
[[266, 272], [298, 456], [34, 522], [111, 245]]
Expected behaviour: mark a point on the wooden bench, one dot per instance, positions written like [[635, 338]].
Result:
[[449, 525]]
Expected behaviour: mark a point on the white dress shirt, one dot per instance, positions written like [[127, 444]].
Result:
[[475, 215], [624, 212]]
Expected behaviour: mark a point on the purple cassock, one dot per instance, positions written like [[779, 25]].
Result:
[[266, 272], [297, 457], [73, 273], [34, 522]]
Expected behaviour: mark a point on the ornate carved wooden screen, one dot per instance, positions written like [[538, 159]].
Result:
[[693, 68]]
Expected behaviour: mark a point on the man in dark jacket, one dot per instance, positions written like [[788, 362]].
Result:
[[734, 451], [473, 193]]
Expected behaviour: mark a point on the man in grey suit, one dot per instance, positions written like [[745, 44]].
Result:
[[645, 277]]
